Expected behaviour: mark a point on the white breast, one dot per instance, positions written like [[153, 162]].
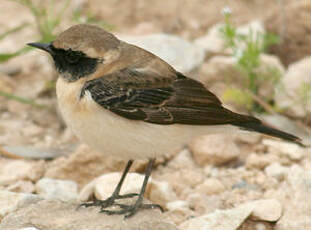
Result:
[[114, 135]]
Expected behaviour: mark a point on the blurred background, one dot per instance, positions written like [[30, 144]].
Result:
[[253, 54]]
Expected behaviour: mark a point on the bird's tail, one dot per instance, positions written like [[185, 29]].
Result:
[[259, 126]]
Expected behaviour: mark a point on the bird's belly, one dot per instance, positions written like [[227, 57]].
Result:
[[114, 135]]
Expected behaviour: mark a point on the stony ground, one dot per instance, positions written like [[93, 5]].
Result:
[[221, 181]]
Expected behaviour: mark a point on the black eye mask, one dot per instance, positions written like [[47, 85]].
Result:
[[73, 65]]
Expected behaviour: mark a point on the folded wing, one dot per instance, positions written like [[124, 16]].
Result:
[[149, 97]]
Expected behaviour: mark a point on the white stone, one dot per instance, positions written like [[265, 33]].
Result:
[[161, 192], [258, 161], [267, 210], [87, 191], [296, 197], [294, 92], [10, 201], [21, 170], [28, 228], [178, 211], [291, 150], [214, 43], [23, 186], [229, 219], [106, 184], [214, 149], [182, 55], [260, 226], [55, 214], [57, 189], [220, 68], [182, 160], [211, 186], [277, 171], [177, 204]]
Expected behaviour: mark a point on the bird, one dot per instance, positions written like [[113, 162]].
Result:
[[126, 102]]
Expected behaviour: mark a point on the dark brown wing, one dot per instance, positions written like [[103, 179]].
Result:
[[162, 100], [146, 96]]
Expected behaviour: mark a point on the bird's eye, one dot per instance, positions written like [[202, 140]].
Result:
[[72, 57]]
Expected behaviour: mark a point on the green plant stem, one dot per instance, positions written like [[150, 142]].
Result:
[[21, 99], [13, 30]]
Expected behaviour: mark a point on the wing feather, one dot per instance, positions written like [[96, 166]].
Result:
[[151, 98]]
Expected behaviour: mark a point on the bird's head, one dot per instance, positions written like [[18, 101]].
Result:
[[79, 50]]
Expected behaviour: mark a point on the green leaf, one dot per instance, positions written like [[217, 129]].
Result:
[[239, 97]]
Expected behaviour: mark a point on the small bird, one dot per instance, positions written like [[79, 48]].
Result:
[[126, 102]]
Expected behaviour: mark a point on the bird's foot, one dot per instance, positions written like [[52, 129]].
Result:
[[131, 210], [107, 202]]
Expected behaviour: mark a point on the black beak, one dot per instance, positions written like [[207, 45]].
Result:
[[42, 46]]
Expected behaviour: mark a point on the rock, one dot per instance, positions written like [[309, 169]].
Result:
[[177, 204], [231, 219], [161, 192], [211, 186], [38, 153], [220, 69], [23, 186], [189, 177], [248, 138], [10, 201], [293, 30], [284, 123], [57, 189], [216, 149], [143, 28], [181, 54], [267, 210], [277, 171], [183, 181], [294, 91], [255, 225], [57, 215], [270, 71], [16, 170], [178, 211], [183, 160], [203, 204], [83, 165], [87, 191], [28, 228], [10, 69], [6, 83], [214, 44], [292, 151], [255, 160], [106, 184], [295, 194]]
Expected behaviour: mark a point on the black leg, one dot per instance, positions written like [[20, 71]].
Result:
[[130, 210], [115, 195]]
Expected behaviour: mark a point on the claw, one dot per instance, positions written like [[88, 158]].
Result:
[[130, 210]]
